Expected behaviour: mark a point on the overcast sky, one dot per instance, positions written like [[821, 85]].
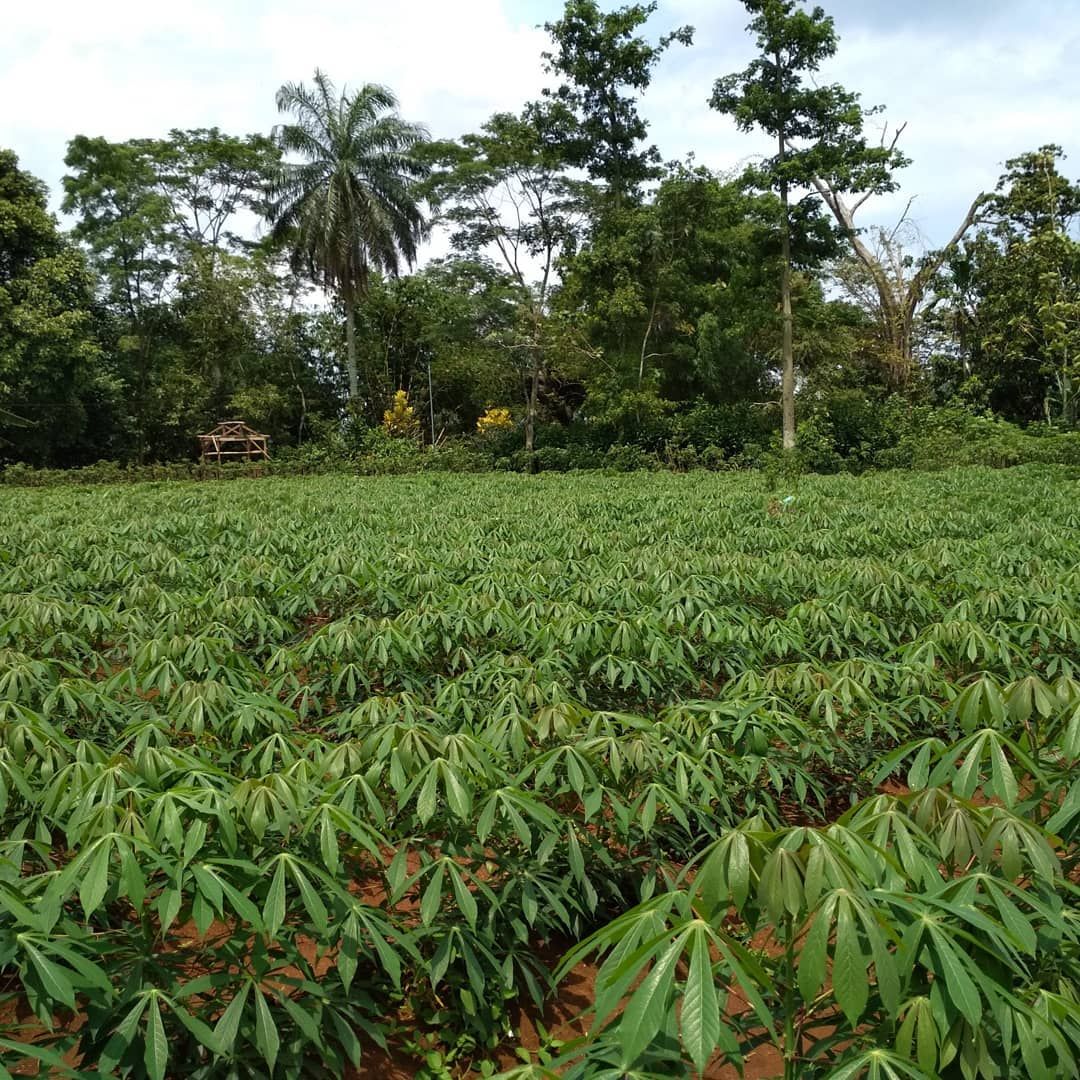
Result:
[[977, 81]]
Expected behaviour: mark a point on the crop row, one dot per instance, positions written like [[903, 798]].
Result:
[[290, 770]]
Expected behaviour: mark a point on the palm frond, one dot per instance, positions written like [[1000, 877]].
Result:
[[350, 202]]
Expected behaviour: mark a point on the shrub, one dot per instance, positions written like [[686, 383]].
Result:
[[458, 455], [629, 458], [385, 452], [494, 420], [945, 437], [678, 457], [400, 419], [729, 427], [639, 417]]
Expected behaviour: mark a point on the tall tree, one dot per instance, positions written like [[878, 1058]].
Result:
[[129, 227], [669, 288], [882, 274], [48, 352], [900, 282], [818, 132], [209, 177], [607, 65], [504, 190], [351, 203], [211, 181], [1012, 295]]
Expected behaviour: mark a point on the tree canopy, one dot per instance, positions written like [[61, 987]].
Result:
[[349, 206], [592, 293]]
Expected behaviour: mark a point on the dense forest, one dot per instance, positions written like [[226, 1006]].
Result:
[[596, 301]]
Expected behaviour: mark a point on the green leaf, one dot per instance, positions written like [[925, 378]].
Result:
[[132, 881], [156, 1050], [228, 1025], [486, 820], [648, 1008], [168, 905], [54, 980], [850, 981], [328, 844], [95, 880], [781, 885], [123, 1036], [208, 885], [574, 854], [955, 980], [700, 1006], [203, 1032], [426, 801], [431, 901], [316, 909], [242, 905], [457, 796], [465, 900], [1005, 785], [307, 1022], [1013, 920], [918, 1028], [273, 914], [813, 957], [46, 1056], [266, 1033]]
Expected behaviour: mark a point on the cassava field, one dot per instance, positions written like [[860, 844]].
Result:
[[292, 769]]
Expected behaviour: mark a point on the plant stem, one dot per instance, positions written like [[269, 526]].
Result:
[[791, 1036]]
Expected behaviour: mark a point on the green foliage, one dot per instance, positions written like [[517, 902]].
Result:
[[48, 354], [452, 316], [1013, 296], [351, 204], [941, 438], [818, 127], [676, 290], [819, 138], [601, 55], [505, 190], [190, 315]]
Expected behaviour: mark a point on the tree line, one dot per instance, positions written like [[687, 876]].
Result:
[[593, 293]]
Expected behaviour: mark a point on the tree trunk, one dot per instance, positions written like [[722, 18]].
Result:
[[905, 349], [140, 399], [645, 339], [350, 348], [530, 411], [431, 400], [899, 300], [787, 386]]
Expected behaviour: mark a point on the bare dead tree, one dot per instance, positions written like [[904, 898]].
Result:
[[899, 293]]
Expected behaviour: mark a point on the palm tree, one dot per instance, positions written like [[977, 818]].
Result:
[[351, 205]]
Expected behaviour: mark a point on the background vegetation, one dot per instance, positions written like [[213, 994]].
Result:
[[622, 308]]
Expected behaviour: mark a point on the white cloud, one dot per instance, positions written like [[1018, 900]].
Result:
[[123, 68], [976, 81]]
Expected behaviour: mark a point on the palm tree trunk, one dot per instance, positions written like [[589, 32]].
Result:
[[350, 348]]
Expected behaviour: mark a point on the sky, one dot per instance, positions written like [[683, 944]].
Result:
[[976, 81]]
